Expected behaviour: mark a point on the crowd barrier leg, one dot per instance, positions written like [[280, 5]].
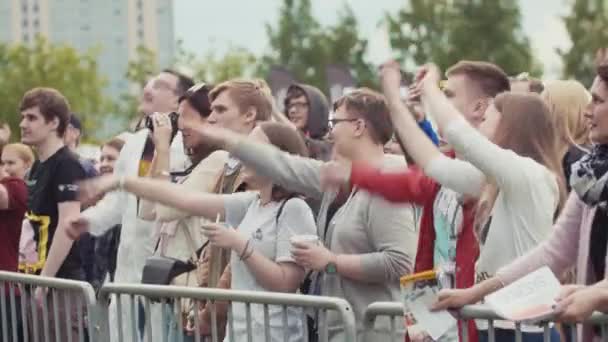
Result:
[[35, 308]]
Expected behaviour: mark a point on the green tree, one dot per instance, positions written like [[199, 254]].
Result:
[[138, 73], [300, 44], [236, 62], [446, 31], [586, 25], [74, 74]]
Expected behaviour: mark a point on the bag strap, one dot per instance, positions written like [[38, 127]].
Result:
[[280, 211], [192, 245]]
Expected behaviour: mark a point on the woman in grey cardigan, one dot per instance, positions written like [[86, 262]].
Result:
[[369, 243]]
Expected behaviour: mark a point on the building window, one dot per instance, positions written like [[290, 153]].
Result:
[[140, 4], [26, 37], [24, 22], [117, 12], [24, 8], [140, 19], [140, 34], [35, 8], [36, 24]]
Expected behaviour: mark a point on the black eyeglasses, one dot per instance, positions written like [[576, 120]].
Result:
[[334, 122]]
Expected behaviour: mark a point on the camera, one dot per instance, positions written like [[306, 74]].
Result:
[[173, 117]]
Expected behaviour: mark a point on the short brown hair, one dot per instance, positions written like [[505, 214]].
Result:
[[115, 143], [371, 106], [490, 78], [247, 93], [51, 103]]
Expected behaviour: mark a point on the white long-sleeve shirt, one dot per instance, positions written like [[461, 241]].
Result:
[[528, 195]]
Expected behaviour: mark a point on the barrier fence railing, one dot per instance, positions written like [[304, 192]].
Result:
[[253, 314], [34, 308], [394, 311]]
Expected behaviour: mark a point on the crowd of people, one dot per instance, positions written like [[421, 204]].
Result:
[[214, 187]]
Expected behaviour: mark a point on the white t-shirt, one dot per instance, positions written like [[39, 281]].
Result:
[[271, 238]]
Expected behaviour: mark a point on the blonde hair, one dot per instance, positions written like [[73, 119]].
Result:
[[567, 101], [248, 94], [24, 152]]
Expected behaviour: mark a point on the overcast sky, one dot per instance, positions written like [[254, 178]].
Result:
[[205, 25]]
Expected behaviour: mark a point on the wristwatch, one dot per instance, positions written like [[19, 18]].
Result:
[[331, 268]]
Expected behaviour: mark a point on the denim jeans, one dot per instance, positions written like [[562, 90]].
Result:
[[508, 335]]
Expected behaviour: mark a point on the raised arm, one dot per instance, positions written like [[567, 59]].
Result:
[[203, 178], [458, 175], [468, 142], [159, 169], [195, 202], [292, 172]]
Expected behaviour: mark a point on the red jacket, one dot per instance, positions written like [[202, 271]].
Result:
[[415, 187]]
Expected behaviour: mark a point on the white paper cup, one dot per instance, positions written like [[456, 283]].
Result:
[[305, 238]]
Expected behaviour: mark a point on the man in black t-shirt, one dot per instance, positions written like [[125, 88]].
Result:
[[52, 196]]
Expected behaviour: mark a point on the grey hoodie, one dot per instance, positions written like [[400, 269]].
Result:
[[317, 125]]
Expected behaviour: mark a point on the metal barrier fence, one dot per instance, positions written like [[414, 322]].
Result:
[[143, 297], [394, 311], [34, 308]]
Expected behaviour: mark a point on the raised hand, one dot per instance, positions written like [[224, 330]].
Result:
[[428, 76], [390, 78], [162, 130]]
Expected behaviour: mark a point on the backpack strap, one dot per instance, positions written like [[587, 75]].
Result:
[[280, 211]]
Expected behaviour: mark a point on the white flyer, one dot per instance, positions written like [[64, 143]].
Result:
[[529, 299]]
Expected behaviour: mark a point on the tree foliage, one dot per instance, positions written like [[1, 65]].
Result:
[[300, 44], [74, 74], [138, 73], [446, 31], [586, 24]]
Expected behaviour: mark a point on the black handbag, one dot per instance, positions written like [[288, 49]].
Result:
[[160, 270]]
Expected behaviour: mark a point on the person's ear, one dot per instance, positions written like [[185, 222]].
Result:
[[251, 115], [360, 126]]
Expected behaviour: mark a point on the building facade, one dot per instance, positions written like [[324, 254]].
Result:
[[115, 27]]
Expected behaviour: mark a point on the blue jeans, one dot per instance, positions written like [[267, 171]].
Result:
[[508, 335]]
